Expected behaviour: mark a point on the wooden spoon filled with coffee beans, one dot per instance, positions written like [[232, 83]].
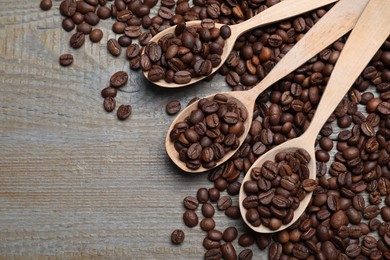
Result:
[[189, 52], [209, 131], [278, 187]]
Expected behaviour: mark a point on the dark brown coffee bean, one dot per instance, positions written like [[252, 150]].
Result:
[[371, 211], [84, 28], [119, 79], [309, 185], [230, 234], [190, 218], [68, 24], [96, 35], [182, 77], [208, 210], [213, 254], [103, 12], [77, 40], [68, 7], [233, 212], [173, 107], [109, 104], [91, 18], [275, 251], [207, 224], [202, 195], [190, 202], [246, 254], [66, 59], [109, 92], [224, 202], [123, 112], [46, 5], [177, 236], [113, 47], [228, 251]]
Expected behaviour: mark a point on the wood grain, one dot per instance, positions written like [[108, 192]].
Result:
[[76, 183]]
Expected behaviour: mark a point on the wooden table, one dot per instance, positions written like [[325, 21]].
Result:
[[75, 182]]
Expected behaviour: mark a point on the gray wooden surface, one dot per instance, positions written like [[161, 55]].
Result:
[[74, 181]]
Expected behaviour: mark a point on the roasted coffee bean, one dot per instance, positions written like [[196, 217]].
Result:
[[207, 224], [46, 5], [230, 234], [190, 218], [246, 254], [68, 24], [113, 47], [213, 254], [119, 79], [173, 107], [77, 40], [190, 202], [109, 104], [202, 195], [224, 202], [66, 59], [123, 112], [208, 210], [68, 7], [109, 92], [177, 236], [228, 251], [96, 35]]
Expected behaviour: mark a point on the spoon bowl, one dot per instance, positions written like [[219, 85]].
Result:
[[372, 29], [336, 22], [292, 145], [280, 11]]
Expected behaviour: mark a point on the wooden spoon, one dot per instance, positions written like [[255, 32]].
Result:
[[280, 11], [370, 32], [334, 24]]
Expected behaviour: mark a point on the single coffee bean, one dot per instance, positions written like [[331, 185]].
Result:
[[207, 224], [68, 24], [202, 195], [190, 202], [230, 234], [177, 236], [173, 107], [224, 202], [46, 5], [109, 104], [119, 79], [96, 35], [228, 251], [109, 92], [123, 112], [208, 210], [213, 254], [68, 7], [182, 77], [113, 47], [66, 59], [190, 218], [77, 40]]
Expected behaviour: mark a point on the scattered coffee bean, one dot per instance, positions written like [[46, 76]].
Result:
[[96, 35], [119, 79], [66, 59], [109, 104], [177, 236], [190, 218], [123, 112], [46, 5], [173, 107]]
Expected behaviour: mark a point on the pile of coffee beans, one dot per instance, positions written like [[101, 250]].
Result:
[[276, 189], [187, 53], [209, 132]]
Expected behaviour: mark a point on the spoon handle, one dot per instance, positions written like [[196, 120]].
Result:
[[280, 11], [371, 30], [335, 23]]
